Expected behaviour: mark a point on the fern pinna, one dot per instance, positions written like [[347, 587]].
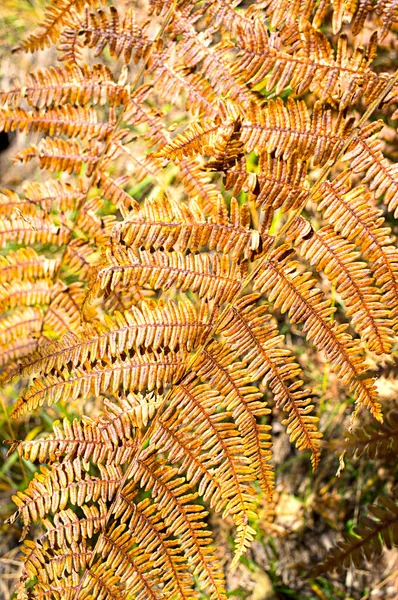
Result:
[[204, 165]]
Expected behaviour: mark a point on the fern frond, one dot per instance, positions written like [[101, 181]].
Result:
[[374, 442], [213, 277], [32, 230], [51, 489], [25, 263], [378, 529], [353, 215], [152, 326], [336, 257], [249, 331], [67, 120], [293, 292], [53, 194], [218, 365], [304, 62], [381, 176], [277, 184], [142, 371], [57, 86], [174, 498], [56, 154], [57, 15], [122, 36], [26, 293], [163, 223]]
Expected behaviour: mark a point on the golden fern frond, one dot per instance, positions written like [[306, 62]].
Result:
[[150, 370], [366, 156], [293, 292], [57, 15], [213, 277], [25, 263], [176, 81], [369, 440], [12, 205], [277, 184], [285, 12], [51, 489], [64, 311], [198, 185], [209, 428], [32, 229], [199, 138], [336, 257], [378, 529], [110, 439], [304, 62], [75, 85], [220, 367], [19, 323], [174, 498], [82, 258], [162, 223], [67, 120], [122, 36], [151, 326], [19, 334], [287, 128], [56, 154], [26, 293], [249, 331], [113, 191], [353, 215], [57, 194]]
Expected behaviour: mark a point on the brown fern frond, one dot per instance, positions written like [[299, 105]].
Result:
[[150, 370], [249, 331], [277, 184], [213, 277], [152, 326], [53, 488], [198, 185], [303, 63], [57, 86], [174, 498], [25, 263], [174, 81], [287, 128], [378, 529], [67, 120], [113, 191], [336, 257], [57, 15], [56, 154], [162, 223], [373, 441], [381, 176], [293, 292], [218, 365], [122, 36], [353, 215]]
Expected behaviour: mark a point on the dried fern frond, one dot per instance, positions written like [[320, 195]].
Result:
[[354, 216], [213, 277], [374, 442], [293, 292], [57, 15], [378, 529], [336, 257]]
